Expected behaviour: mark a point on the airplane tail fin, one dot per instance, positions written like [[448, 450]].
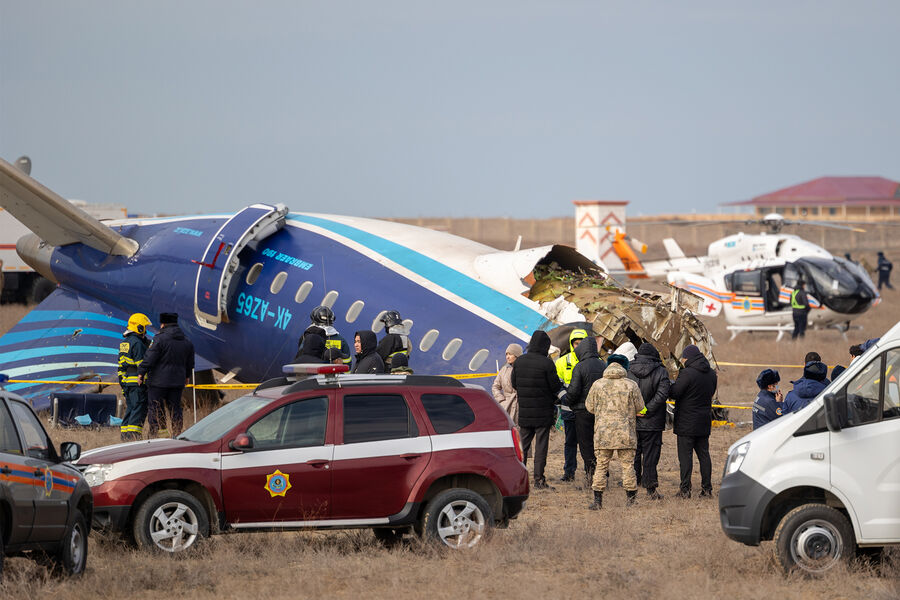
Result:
[[54, 219], [673, 250]]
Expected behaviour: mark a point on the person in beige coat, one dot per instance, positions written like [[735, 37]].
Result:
[[616, 403], [503, 391]]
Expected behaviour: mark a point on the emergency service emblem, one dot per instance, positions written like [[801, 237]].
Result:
[[278, 483], [48, 482]]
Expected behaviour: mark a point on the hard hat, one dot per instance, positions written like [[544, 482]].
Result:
[[391, 318], [322, 315], [138, 323]]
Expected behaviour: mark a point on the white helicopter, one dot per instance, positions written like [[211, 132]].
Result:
[[750, 277]]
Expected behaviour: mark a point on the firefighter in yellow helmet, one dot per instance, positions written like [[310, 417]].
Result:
[[131, 353]]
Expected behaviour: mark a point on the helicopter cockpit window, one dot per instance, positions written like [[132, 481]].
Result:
[[747, 282], [791, 275]]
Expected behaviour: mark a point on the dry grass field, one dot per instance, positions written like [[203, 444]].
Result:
[[557, 548]]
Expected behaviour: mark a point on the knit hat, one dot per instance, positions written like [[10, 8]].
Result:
[[168, 318], [618, 358], [648, 349], [691, 351], [815, 370], [836, 371], [767, 377], [514, 349]]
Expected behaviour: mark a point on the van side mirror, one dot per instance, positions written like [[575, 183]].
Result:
[[69, 452], [835, 412], [241, 442]]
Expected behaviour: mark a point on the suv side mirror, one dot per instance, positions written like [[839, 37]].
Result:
[[241, 442], [835, 412], [69, 451]]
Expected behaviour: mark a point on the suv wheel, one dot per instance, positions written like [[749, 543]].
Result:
[[457, 518], [71, 557], [813, 538], [170, 520]]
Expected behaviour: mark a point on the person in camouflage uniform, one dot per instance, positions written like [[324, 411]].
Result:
[[615, 402]]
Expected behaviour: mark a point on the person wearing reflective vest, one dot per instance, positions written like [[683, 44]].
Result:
[[800, 306], [564, 365], [131, 353], [396, 339]]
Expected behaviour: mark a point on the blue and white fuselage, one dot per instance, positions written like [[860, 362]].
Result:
[[465, 300]]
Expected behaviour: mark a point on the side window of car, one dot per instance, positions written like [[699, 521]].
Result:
[[373, 417], [37, 445], [862, 395], [448, 413], [295, 425], [892, 385], [9, 439]]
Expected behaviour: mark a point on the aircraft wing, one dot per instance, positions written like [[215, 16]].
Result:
[[52, 218]]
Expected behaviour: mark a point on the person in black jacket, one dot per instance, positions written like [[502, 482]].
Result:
[[367, 360], [313, 350], [693, 392], [653, 379], [167, 368], [538, 389], [589, 369]]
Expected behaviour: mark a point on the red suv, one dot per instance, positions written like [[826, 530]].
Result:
[[394, 453]]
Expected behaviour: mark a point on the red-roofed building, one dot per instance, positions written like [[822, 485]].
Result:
[[840, 198]]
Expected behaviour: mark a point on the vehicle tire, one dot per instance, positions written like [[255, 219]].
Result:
[[457, 518], [389, 537], [71, 558], [170, 521], [2, 553], [40, 290], [814, 538]]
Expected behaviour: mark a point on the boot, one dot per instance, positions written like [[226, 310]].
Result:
[[630, 497], [597, 504], [653, 494]]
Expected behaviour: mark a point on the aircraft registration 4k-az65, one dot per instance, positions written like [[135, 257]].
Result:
[[244, 285], [750, 278]]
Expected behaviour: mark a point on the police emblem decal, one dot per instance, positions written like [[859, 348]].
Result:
[[278, 483]]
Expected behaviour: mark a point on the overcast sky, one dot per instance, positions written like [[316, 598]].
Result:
[[463, 108]]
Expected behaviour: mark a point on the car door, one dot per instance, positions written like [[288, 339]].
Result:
[[286, 477], [865, 455], [379, 456], [51, 492], [16, 479]]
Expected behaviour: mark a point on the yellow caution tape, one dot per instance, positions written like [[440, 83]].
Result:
[[731, 364], [719, 405], [471, 375]]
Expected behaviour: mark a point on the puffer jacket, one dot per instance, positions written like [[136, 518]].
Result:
[[804, 392], [536, 384], [653, 379], [693, 392], [589, 369], [368, 361]]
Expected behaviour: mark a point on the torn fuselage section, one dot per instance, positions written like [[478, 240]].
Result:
[[573, 292]]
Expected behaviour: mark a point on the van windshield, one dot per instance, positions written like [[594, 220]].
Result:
[[218, 423]]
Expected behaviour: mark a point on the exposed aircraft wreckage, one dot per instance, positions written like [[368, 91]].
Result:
[[582, 295]]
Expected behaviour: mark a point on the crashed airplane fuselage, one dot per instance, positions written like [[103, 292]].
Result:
[[244, 285]]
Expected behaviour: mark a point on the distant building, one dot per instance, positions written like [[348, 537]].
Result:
[[840, 198]]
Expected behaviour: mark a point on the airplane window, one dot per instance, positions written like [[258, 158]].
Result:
[[330, 299], [478, 359], [303, 291], [428, 340], [377, 325], [278, 282], [354, 310], [451, 349], [253, 273]]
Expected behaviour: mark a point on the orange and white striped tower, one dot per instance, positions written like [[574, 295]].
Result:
[[591, 237]]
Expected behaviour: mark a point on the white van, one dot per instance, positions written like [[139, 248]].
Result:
[[824, 480]]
